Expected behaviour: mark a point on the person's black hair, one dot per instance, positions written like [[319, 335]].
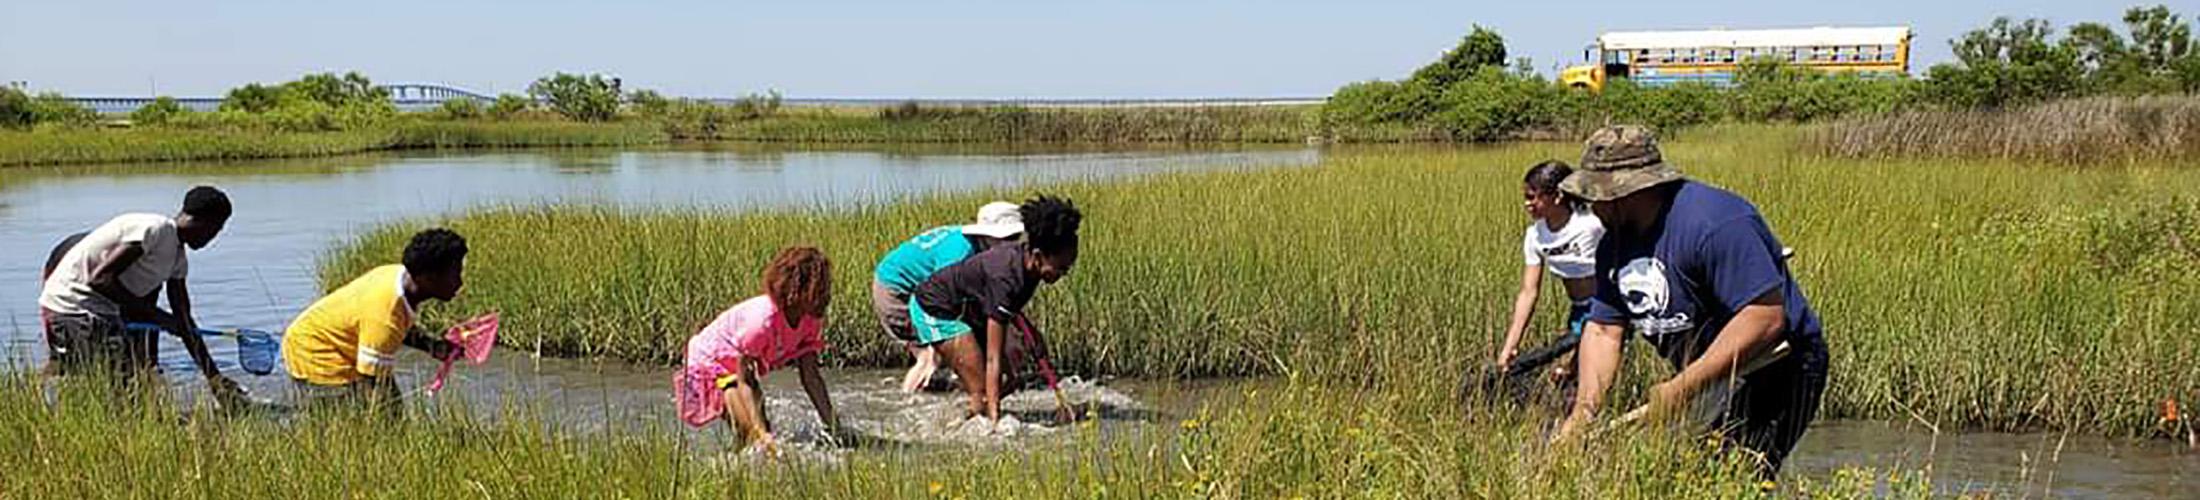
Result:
[[1544, 178], [1050, 223], [206, 202], [434, 251]]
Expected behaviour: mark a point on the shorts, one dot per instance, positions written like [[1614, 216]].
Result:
[[79, 342], [892, 309], [352, 397], [1577, 318], [931, 330]]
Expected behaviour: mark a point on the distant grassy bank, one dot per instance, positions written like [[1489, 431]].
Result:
[[1978, 293], [91, 145]]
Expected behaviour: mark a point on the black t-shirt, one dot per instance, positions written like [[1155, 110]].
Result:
[[991, 284]]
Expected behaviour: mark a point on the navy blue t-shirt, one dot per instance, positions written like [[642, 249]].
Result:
[[1711, 256]]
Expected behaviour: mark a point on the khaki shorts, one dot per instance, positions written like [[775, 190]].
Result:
[[893, 312]]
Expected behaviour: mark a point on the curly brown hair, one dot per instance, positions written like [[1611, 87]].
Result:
[[800, 282]]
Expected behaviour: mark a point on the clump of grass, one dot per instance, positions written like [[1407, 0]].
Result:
[[1951, 290], [2083, 131]]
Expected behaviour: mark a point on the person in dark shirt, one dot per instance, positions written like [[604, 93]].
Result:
[[965, 311], [1696, 271]]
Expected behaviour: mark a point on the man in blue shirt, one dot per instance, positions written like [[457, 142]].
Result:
[[1697, 272], [916, 260]]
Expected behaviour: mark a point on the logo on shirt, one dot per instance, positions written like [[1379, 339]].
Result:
[[1643, 283]]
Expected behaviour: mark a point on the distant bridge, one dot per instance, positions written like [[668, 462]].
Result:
[[425, 96], [407, 96]]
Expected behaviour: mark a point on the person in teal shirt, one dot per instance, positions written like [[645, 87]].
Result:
[[915, 260]]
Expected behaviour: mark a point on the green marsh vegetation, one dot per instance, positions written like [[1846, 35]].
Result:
[[1969, 293], [1287, 440]]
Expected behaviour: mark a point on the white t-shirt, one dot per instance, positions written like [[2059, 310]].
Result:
[[1571, 251], [69, 289]]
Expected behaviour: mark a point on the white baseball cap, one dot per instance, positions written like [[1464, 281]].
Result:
[[998, 219]]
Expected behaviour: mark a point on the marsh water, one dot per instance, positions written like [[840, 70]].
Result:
[[260, 272]]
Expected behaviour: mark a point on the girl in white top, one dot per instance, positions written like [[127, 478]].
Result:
[[1563, 239]]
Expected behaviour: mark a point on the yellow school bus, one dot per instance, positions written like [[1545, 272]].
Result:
[[1658, 58]]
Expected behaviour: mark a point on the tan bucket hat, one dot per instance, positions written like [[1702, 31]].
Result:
[[1617, 161]]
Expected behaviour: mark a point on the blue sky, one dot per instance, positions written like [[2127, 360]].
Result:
[[827, 48]]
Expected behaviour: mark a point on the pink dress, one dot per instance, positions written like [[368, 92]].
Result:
[[752, 329]]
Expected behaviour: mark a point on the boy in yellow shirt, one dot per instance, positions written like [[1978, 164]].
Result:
[[344, 347]]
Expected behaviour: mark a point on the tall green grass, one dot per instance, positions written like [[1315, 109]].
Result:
[[1969, 293], [1284, 441], [2098, 130]]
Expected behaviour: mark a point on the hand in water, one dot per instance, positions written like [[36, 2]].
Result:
[[226, 392], [444, 349], [766, 445]]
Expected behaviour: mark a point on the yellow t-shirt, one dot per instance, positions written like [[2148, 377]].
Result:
[[354, 331]]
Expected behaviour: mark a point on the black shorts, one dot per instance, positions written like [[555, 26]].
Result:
[[1776, 405]]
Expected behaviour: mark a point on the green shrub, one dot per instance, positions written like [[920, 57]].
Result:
[[588, 98], [459, 109], [163, 110], [15, 109], [253, 98], [648, 103], [508, 106], [1379, 101], [755, 106], [1494, 104], [53, 108]]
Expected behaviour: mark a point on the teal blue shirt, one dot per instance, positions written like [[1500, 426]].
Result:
[[915, 260]]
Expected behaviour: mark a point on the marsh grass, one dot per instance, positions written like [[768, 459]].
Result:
[[2091, 131], [154, 144], [1283, 441], [1968, 293]]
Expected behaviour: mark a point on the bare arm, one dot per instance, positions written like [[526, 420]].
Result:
[[187, 328], [1755, 328], [1599, 362], [813, 382], [994, 334], [107, 282], [1531, 284]]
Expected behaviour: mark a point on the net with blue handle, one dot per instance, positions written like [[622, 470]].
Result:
[[256, 349]]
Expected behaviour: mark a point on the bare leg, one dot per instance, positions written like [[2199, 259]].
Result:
[[745, 411], [921, 370], [963, 356]]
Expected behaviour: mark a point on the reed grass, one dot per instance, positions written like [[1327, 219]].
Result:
[[2091, 131], [1969, 293]]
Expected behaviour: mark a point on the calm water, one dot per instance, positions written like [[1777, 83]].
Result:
[[259, 272]]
